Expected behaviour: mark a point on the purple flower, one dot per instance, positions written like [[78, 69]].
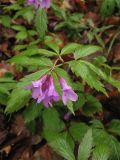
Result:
[[33, 2], [68, 93], [44, 91], [45, 3], [41, 3]]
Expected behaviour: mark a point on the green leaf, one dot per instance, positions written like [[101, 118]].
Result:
[[59, 12], [21, 35], [77, 86], [14, 6], [85, 147], [81, 69], [30, 51], [61, 146], [18, 99], [107, 7], [62, 73], [6, 21], [103, 138], [97, 124], [3, 89], [52, 124], [28, 14], [29, 78], [70, 106], [31, 61], [31, 126], [91, 106], [3, 98], [25, 12], [114, 126], [118, 3], [32, 33], [86, 50], [54, 46], [80, 102], [101, 152], [69, 48], [32, 112], [9, 80], [56, 83], [46, 53], [18, 28], [41, 22], [34, 50], [77, 130], [103, 75], [20, 47]]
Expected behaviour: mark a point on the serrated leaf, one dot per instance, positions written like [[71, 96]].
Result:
[[62, 73], [97, 124], [101, 152], [46, 53], [3, 98], [25, 12], [32, 127], [107, 7], [29, 78], [80, 102], [41, 22], [102, 137], [31, 61], [32, 112], [3, 89], [21, 35], [57, 83], [81, 69], [103, 75], [18, 99], [54, 46], [70, 107], [18, 28], [8, 80], [6, 21], [91, 106], [34, 50], [70, 48], [52, 124], [85, 147], [52, 121], [114, 126], [20, 47], [14, 6], [86, 50], [77, 130], [30, 51], [61, 146]]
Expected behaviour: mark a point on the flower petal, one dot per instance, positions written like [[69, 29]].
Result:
[[64, 84], [35, 93], [69, 95], [45, 3], [72, 95], [64, 98]]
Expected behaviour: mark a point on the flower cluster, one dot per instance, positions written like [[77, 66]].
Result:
[[40, 3], [43, 90]]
